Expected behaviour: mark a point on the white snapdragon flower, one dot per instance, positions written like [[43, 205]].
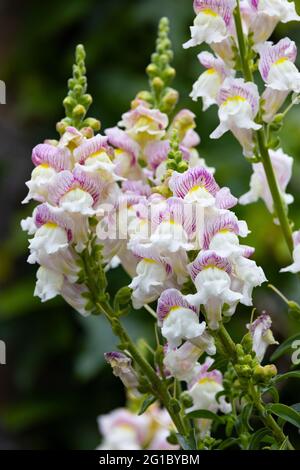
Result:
[[204, 389], [262, 335], [282, 165], [238, 106], [211, 276], [178, 319], [281, 76], [213, 23], [209, 83], [262, 16]]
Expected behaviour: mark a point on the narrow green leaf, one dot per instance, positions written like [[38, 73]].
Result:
[[146, 403], [285, 412], [295, 374], [246, 415], [228, 443], [204, 414], [273, 392], [257, 438]]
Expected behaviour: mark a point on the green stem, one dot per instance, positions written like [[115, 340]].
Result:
[[229, 346], [278, 203], [157, 385], [242, 44], [267, 419]]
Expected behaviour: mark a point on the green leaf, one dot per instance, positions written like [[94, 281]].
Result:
[[204, 414], [257, 438], [246, 415], [285, 412], [284, 444], [228, 443], [284, 347], [146, 403], [186, 443], [289, 375], [273, 392]]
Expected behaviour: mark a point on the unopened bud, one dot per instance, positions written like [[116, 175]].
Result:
[[158, 83], [79, 111]]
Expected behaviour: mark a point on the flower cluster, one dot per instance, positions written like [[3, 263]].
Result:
[[123, 429], [140, 196], [238, 33]]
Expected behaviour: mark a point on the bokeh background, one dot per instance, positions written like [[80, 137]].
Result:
[[55, 382]]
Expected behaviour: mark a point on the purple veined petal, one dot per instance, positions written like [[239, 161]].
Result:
[[151, 254], [224, 199], [223, 8], [204, 373], [248, 251], [90, 147], [181, 184], [178, 212], [120, 140], [264, 320], [156, 152], [136, 188], [130, 200], [209, 61], [66, 180], [271, 54], [224, 222], [130, 118], [171, 298], [234, 88], [56, 157], [45, 213], [208, 259], [92, 184]]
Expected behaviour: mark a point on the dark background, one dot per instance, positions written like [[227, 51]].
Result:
[[55, 382]]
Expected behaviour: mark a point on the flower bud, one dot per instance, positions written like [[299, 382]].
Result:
[[79, 111], [186, 399], [265, 373]]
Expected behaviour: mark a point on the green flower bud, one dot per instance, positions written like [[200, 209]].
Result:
[[79, 111], [186, 399]]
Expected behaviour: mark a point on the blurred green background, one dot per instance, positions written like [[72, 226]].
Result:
[[55, 382]]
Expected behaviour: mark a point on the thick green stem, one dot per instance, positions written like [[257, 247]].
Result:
[[278, 203]]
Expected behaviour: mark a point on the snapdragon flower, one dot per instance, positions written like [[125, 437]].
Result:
[[211, 276], [238, 106], [209, 83], [213, 23], [178, 319], [122, 368], [121, 429], [277, 68], [262, 16], [282, 165], [204, 389], [262, 335]]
